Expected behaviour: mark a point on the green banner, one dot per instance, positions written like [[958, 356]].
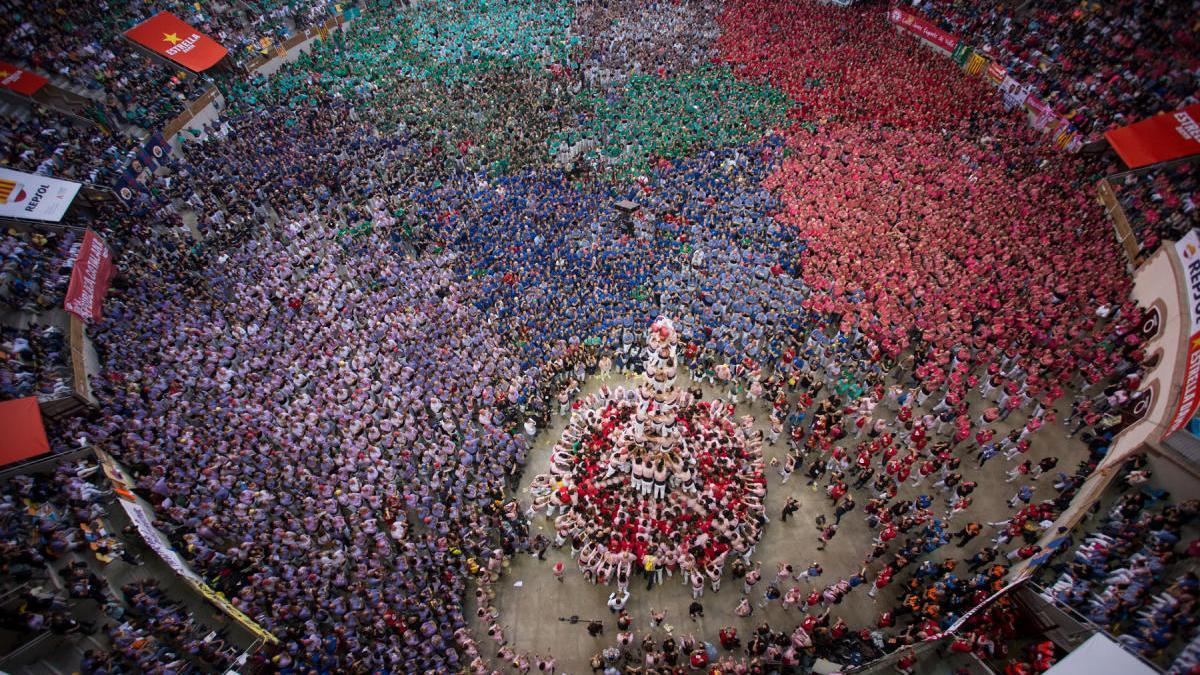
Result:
[[961, 53]]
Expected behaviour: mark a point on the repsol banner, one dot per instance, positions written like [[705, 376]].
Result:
[[1187, 250], [33, 197]]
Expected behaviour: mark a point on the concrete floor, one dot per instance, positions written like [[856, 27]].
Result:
[[534, 608]]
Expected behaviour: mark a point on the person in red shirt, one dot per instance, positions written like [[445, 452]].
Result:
[[962, 644], [729, 638], [886, 619], [884, 578], [826, 534], [1015, 667], [837, 491]]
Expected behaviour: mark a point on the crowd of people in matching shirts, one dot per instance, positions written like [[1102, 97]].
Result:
[[327, 399]]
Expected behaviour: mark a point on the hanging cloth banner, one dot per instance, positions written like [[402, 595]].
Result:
[[961, 53], [1015, 93], [128, 187], [1041, 112], [169, 36], [996, 73], [923, 29], [89, 278], [154, 152]]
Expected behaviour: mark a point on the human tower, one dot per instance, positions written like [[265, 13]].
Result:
[[656, 477]]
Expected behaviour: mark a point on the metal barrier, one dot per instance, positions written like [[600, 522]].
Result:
[[1085, 623], [38, 464], [15, 655]]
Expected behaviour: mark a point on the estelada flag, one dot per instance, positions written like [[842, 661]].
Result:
[[20, 80], [1160, 138], [976, 63], [167, 35]]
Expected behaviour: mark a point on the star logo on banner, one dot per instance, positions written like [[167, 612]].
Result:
[[1196, 343], [173, 38], [4, 74]]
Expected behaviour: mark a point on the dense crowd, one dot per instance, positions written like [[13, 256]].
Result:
[[34, 354], [652, 117], [833, 64], [1131, 574], [36, 268], [1100, 65], [47, 146], [1160, 204], [915, 237], [411, 259], [56, 523], [41, 515], [151, 633], [81, 45], [628, 38]]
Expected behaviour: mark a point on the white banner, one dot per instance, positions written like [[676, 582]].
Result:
[[157, 541], [143, 520], [1188, 250], [33, 197], [1015, 93]]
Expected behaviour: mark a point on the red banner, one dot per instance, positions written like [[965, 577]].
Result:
[[20, 80], [923, 29], [1042, 113], [996, 73], [167, 35], [1158, 139], [1035, 105], [89, 278]]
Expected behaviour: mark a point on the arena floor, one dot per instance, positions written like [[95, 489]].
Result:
[[535, 612]]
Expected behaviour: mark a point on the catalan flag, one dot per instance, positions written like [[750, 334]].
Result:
[[7, 187], [976, 62]]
